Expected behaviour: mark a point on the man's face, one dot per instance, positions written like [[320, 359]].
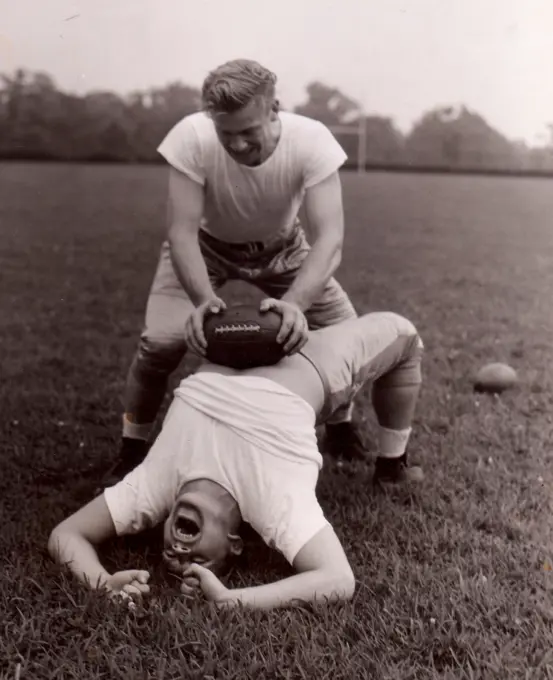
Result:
[[195, 531], [246, 134]]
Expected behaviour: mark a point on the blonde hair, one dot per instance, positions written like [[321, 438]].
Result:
[[233, 85]]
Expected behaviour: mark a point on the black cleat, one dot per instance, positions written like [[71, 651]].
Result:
[[395, 471], [343, 440], [131, 454]]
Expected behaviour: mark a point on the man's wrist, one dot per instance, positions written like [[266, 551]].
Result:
[[296, 300], [201, 299], [100, 580], [229, 598]]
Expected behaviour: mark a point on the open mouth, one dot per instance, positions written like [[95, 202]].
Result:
[[186, 528]]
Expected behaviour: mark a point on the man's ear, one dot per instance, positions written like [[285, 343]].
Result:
[[275, 106], [236, 544]]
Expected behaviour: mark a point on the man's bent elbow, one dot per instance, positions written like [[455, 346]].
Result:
[[335, 249], [337, 257], [58, 539], [342, 586], [348, 585], [54, 543]]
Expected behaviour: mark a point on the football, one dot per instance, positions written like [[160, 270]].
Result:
[[243, 337], [495, 378]]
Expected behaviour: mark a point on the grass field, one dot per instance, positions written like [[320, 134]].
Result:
[[454, 579]]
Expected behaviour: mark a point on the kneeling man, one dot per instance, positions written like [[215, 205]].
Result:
[[241, 446]]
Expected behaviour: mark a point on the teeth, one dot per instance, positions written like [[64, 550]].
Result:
[[186, 527], [185, 534]]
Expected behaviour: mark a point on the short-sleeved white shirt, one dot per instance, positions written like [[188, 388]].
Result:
[[250, 435], [245, 203]]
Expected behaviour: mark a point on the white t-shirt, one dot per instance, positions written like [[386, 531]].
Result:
[[250, 435], [253, 203]]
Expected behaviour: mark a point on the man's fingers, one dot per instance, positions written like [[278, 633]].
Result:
[[135, 589], [217, 306], [141, 575], [191, 343], [130, 590], [191, 334], [198, 331], [193, 571], [296, 340], [190, 585], [267, 304], [303, 341], [191, 581], [297, 331], [285, 327], [197, 337], [143, 588], [196, 572]]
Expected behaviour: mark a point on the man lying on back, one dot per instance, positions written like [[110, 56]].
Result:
[[241, 446]]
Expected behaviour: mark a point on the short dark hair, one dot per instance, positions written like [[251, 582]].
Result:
[[235, 84]]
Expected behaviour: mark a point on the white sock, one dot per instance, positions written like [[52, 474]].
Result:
[[135, 430], [392, 443]]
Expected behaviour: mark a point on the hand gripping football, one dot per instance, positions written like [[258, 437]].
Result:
[[243, 337]]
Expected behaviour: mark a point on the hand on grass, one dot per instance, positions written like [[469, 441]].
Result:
[[294, 328], [197, 578], [194, 326], [131, 584]]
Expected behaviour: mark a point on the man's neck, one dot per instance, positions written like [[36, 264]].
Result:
[[274, 138]]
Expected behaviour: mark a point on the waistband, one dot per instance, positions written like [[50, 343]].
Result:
[[274, 242], [325, 411]]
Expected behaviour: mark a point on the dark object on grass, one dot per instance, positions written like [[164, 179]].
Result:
[[495, 378]]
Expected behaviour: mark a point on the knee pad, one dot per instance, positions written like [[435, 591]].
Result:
[[402, 325], [160, 355], [408, 372]]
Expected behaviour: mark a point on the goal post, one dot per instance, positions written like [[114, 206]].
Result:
[[359, 131]]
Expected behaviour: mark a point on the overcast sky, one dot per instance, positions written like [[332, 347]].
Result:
[[397, 57]]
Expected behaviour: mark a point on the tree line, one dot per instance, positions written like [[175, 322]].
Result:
[[38, 121]]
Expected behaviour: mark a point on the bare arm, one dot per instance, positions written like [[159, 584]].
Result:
[[325, 216], [73, 542], [185, 211], [324, 574]]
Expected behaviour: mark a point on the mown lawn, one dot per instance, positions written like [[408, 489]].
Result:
[[454, 579]]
